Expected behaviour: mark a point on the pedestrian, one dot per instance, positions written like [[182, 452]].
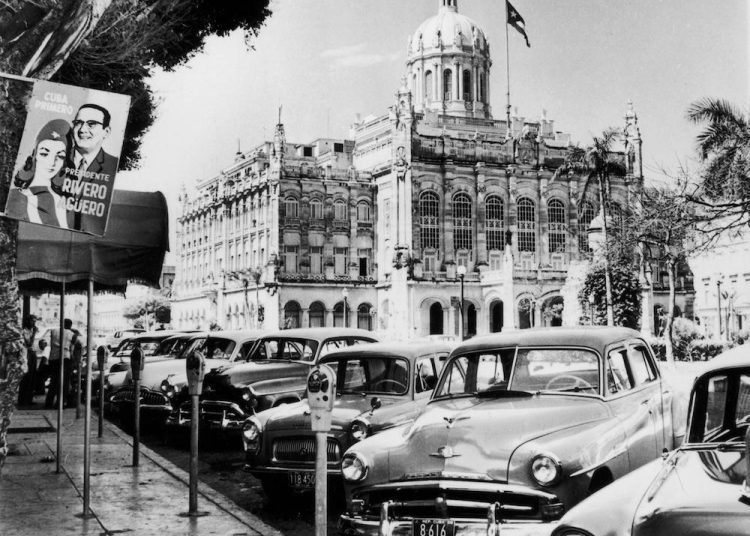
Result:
[[60, 356], [28, 333], [76, 352], [42, 370]]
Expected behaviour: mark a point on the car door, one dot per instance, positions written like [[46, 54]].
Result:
[[646, 378], [631, 405]]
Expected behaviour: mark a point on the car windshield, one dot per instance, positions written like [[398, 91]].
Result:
[[171, 347], [721, 408], [371, 375], [148, 346], [284, 348], [516, 370]]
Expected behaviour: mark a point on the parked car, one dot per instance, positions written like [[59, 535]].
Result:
[[275, 372], [521, 426], [703, 487], [378, 386], [114, 340], [162, 381]]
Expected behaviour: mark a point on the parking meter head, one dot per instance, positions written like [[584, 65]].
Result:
[[101, 357], [136, 362], [195, 366], [321, 388]]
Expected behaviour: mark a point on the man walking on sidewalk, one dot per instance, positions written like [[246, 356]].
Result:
[[60, 341]]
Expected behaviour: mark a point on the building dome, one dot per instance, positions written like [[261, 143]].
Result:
[[447, 29], [448, 65]]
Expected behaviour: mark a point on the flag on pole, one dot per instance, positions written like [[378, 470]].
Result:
[[516, 20]]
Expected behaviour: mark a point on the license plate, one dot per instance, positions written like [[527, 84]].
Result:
[[302, 480], [433, 527]]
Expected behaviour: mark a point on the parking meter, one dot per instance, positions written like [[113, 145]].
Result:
[[101, 358], [136, 363], [321, 394], [195, 366]]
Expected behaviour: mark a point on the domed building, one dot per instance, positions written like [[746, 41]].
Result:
[[434, 219]]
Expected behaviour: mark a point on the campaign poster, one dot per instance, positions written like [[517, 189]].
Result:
[[67, 161]]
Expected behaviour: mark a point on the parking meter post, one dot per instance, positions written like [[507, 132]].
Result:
[[321, 393], [101, 357], [79, 377], [195, 367], [136, 366], [60, 381], [87, 408]]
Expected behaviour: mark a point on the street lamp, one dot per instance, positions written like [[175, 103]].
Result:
[[461, 271], [345, 294]]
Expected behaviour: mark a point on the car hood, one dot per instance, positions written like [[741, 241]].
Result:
[[698, 492], [476, 437], [239, 374], [345, 410], [156, 372]]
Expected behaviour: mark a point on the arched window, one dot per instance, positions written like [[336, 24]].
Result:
[[317, 315], [429, 214], [526, 225], [339, 210], [428, 86], [467, 85], [447, 85], [338, 315], [316, 209], [585, 217], [364, 318], [557, 226], [525, 313], [462, 222], [436, 319], [291, 315], [363, 211], [494, 222]]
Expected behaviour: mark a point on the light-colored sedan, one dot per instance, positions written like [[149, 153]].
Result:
[[521, 427]]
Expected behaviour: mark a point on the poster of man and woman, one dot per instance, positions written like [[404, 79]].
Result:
[[67, 160]]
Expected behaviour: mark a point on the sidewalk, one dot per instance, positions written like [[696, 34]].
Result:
[[147, 500]]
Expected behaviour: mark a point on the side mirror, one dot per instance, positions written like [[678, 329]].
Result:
[[101, 357], [375, 403], [136, 362]]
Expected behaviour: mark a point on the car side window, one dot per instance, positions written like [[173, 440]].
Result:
[[425, 375], [742, 415], [716, 401], [244, 352], [618, 379], [640, 365]]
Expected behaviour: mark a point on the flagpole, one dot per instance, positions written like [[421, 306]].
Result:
[[507, 72]]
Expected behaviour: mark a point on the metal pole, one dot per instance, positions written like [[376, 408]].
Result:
[[193, 502], [321, 483], [60, 380], [87, 409], [137, 424], [78, 385], [461, 306], [101, 401], [507, 73], [346, 319], [718, 308]]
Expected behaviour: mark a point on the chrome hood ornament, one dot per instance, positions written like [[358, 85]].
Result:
[[445, 452], [451, 420]]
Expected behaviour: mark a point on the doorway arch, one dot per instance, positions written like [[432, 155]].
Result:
[[496, 316], [436, 319]]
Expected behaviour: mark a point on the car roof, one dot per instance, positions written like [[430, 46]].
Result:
[[734, 358], [322, 333], [406, 349], [233, 334], [596, 337]]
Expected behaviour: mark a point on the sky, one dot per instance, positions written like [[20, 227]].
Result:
[[324, 61]]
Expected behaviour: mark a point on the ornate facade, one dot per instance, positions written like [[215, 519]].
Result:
[[390, 215]]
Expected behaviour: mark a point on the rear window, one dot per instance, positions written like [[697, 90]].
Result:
[[381, 375], [283, 348]]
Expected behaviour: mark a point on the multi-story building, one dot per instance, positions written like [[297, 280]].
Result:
[[430, 206]]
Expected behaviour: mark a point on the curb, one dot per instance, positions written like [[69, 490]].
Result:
[[221, 502]]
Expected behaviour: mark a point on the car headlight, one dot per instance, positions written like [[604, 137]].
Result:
[[354, 467], [251, 434], [168, 389], [546, 469], [360, 429]]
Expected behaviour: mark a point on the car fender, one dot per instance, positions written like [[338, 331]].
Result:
[[270, 391], [610, 511]]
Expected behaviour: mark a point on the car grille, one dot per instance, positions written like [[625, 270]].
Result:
[[213, 412], [302, 449], [152, 398], [438, 502]]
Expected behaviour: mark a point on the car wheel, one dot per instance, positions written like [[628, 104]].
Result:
[[601, 479], [277, 492]]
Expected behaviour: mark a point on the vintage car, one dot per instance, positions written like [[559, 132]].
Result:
[[521, 426], [703, 487], [378, 386], [162, 380], [274, 373], [114, 340]]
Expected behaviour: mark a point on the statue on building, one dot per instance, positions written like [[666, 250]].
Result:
[[401, 166]]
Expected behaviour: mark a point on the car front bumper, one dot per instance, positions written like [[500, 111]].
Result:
[[212, 415]]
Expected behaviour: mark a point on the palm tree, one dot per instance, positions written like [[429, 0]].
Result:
[[724, 146]]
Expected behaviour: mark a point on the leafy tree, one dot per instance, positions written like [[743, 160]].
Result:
[[626, 296], [149, 310], [102, 44], [724, 147]]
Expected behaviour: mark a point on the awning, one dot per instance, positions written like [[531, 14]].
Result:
[[132, 249]]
